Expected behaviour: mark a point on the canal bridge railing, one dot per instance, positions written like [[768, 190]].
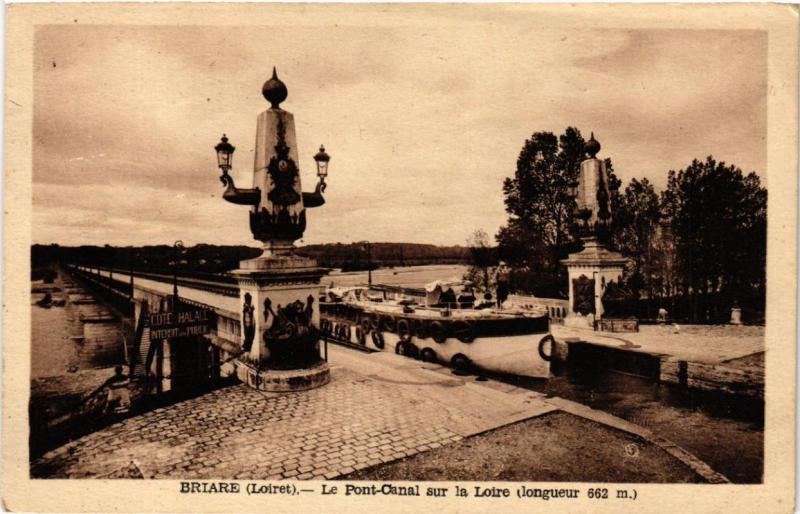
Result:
[[146, 291], [556, 308], [220, 284]]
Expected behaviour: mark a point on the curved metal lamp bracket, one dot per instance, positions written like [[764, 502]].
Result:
[[315, 199], [239, 196]]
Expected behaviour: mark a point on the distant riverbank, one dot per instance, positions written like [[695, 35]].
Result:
[[406, 276]]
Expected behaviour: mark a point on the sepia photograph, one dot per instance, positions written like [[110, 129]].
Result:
[[452, 252]]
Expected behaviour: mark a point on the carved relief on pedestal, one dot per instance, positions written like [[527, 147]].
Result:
[[291, 338], [583, 295], [248, 323]]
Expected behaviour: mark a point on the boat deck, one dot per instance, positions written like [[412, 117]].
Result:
[[431, 313]]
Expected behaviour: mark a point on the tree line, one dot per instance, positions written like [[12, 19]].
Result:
[[363, 255], [698, 247], [214, 259]]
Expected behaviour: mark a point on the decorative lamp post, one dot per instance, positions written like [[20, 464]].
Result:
[[279, 343], [322, 159], [277, 202], [224, 154], [368, 247], [594, 268], [177, 247]]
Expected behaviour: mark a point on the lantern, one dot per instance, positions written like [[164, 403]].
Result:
[[322, 159], [224, 154]]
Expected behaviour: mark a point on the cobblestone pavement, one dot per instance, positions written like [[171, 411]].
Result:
[[697, 343], [389, 409]]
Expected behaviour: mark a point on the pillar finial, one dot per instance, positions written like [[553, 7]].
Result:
[[274, 90], [592, 147]]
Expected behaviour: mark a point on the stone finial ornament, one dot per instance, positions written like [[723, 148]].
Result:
[[277, 203], [592, 146], [274, 90]]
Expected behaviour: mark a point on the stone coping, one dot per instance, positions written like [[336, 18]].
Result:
[[282, 381]]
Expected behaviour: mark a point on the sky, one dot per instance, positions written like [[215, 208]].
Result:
[[422, 122]]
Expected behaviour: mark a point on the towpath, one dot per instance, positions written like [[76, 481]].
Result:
[[709, 344], [378, 408]]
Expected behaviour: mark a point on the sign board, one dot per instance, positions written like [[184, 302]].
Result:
[[187, 320]]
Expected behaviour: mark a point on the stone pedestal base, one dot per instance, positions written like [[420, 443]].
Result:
[[272, 262], [279, 308], [576, 320], [283, 381], [590, 272]]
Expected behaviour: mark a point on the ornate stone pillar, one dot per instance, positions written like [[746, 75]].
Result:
[[591, 270], [278, 289]]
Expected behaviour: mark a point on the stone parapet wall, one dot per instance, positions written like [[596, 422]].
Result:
[[556, 308]]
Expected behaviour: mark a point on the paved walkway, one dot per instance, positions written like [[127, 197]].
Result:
[[709, 344], [378, 408]]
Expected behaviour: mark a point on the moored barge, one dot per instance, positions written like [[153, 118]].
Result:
[[456, 333]]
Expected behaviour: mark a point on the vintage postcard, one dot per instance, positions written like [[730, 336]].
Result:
[[400, 258]]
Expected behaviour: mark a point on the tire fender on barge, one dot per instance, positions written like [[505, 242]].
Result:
[[377, 339], [438, 331]]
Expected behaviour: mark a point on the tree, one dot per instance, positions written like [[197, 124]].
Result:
[[664, 263], [636, 220], [539, 231], [717, 216], [482, 257], [537, 199]]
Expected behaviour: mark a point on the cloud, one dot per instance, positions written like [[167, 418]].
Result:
[[423, 121]]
